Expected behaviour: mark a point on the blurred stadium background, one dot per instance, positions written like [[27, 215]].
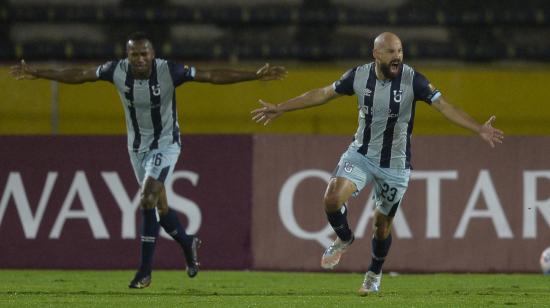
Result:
[[487, 57]]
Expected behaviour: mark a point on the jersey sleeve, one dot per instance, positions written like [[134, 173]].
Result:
[[345, 84], [106, 71], [181, 73], [423, 90]]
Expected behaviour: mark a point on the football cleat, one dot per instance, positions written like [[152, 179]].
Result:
[[371, 284], [193, 263], [334, 252], [140, 281]]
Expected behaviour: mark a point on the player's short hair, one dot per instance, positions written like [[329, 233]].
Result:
[[139, 36]]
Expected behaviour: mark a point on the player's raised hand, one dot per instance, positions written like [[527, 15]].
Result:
[[490, 134], [268, 72], [266, 114], [22, 71]]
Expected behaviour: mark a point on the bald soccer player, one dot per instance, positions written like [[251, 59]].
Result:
[[387, 91]]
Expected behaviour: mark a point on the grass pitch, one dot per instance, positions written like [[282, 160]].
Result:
[[32, 288]]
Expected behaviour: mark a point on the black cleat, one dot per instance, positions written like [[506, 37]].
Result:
[[140, 281], [193, 263]]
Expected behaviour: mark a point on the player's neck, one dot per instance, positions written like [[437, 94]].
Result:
[[379, 74], [141, 75], [144, 75]]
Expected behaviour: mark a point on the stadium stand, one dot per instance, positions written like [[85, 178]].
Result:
[[255, 29]]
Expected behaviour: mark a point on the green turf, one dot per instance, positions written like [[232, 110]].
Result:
[[30, 288]]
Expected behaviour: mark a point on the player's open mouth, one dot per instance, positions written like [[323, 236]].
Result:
[[394, 65]]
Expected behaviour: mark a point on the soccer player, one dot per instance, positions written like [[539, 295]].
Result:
[[146, 86], [387, 90]]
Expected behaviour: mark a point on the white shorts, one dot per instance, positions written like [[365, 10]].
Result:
[[158, 164], [389, 184]]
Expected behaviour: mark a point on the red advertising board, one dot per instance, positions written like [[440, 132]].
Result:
[[71, 202], [256, 201], [469, 208]]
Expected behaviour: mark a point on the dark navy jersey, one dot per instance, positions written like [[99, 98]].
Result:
[[149, 104], [386, 112]]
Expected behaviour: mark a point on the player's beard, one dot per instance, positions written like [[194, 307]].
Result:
[[387, 70], [141, 72]]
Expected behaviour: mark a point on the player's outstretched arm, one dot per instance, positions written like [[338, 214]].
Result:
[[486, 131], [225, 76], [67, 75], [269, 112]]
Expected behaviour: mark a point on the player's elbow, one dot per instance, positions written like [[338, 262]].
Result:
[[320, 96]]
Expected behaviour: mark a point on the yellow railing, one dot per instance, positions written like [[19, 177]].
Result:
[[516, 96]]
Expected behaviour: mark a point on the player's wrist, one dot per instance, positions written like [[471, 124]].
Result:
[[32, 71], [279, 108], [480, 129]]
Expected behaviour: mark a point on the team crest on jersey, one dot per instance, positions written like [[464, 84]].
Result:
[[348, 167], [397, 96], [155, 89]]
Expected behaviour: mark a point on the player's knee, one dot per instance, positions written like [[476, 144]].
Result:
[[147, 203], [332, 202], [149, 199], [381, 233], [150, 193], [382, 228], [162, 209]]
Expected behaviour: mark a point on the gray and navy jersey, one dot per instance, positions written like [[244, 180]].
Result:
[[149, 104], [386, 112]]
